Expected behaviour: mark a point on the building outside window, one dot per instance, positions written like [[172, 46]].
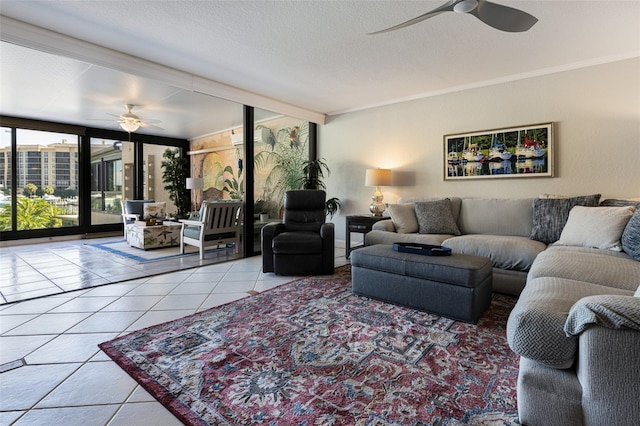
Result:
[[47, 180]]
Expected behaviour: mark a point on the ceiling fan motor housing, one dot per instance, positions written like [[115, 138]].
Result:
[[465, 6]]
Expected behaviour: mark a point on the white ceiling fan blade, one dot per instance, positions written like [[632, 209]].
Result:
[[503, 18], [447, 7], [147, 124]]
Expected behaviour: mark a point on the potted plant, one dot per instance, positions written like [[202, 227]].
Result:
[[174, 176]]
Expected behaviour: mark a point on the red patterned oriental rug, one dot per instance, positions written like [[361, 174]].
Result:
[[311, 353]]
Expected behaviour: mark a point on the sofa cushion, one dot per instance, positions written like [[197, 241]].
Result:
[[386, 237], [505, 252], [610, 268], [631, 237], [299, 242], [496, 216], [550, 215], [535, 329], [384, 225], [193, 232], [403, 217], [597, 227], [435, 217]]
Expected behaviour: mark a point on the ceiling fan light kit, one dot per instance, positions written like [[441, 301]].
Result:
[[129, 126], [503, 18], [129, 122]]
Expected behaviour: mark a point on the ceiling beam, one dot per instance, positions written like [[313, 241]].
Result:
[[38, 38]]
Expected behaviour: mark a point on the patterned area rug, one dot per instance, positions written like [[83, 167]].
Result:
[[311, 353]]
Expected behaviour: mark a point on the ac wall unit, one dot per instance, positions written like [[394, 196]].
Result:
[[260, 136], [237, 139]]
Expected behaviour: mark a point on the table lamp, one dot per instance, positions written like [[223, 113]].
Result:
[[377, 178], [195, 184]]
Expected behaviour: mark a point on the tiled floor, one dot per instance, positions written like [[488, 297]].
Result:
[[52, 370], [36, 270]]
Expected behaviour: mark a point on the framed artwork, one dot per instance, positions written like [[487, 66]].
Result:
[[513, 152]]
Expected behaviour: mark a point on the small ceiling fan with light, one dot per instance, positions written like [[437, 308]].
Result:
[[503, 18], [130, 122]]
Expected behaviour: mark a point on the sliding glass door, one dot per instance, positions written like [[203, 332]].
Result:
[[108, 179], [152, 183], [281, 147], [114, 177]]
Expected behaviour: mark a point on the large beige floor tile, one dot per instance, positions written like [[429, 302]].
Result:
[[23, 387], [94, 415], [143, 414], [94, 383]]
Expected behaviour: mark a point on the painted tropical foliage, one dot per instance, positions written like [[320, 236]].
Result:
[[285, 153]]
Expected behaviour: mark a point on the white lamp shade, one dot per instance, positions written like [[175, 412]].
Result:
[[195, 183], [377, 177]]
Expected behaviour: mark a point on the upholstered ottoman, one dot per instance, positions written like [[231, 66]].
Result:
[[457, 286]]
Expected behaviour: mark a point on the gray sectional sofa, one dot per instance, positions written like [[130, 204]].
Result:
[[576, 325], [499, 229]]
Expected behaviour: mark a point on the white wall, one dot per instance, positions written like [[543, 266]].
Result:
[[595, 110]]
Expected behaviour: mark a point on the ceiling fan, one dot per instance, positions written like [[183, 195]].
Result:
[[131, 122], [500, 17]]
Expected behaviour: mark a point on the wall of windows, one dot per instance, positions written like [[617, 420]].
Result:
[[71, 180], [74, 183]]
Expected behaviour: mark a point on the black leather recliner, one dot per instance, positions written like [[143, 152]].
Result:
[[303, 244]]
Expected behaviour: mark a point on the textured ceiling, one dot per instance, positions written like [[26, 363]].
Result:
[[313, 54]]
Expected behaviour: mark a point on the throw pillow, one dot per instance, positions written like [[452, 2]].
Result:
[[613, 202], [550, 215], [435, 217], [403, 217], [596, 227], [631, 237], [154, 210], [136, 206], [637, 293]]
